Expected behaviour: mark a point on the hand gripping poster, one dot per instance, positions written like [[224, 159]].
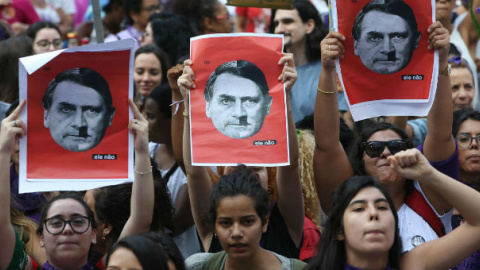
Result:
[[387, 68], [76, 116], [237, 110]]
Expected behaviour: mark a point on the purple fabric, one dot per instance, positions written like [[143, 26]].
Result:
[[88, 266], [349, 267], [450, 166], [129, 32], [471, 263], [30, 204]]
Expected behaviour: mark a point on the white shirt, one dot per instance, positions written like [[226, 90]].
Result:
[[187, 241], [68, 6], [413, 227]]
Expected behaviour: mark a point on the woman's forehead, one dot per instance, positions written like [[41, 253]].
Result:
[[384, 135], [66, 208], [368, 194]]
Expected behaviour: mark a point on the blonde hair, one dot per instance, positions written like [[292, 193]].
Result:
[[26, 226], [306, 146]]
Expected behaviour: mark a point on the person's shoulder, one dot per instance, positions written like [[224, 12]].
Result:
[[197, 261], [290, 263]]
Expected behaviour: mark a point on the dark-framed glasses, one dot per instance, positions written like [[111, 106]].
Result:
[[44, 43], [464, 140], [56, 225], [375, 148]]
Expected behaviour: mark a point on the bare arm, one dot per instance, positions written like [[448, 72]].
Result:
[[143, 195], [177, 117], [331, 165], [199, 185], [11, 131], [290, 198], [66, 21], [439, 254], [440, 117]]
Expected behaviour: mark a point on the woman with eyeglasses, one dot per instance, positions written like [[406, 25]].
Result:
[[412, 200], [466, 130], [46, 37], [67, 224]]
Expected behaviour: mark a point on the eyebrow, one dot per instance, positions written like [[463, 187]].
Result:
[[70, 105], [226, 96], [379, 200], [71, 216], [284, 20], [243, 217]]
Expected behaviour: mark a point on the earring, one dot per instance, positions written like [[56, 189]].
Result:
[[42, 244], [103, 237]]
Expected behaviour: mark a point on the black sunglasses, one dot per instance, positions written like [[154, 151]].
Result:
[[375, 148]]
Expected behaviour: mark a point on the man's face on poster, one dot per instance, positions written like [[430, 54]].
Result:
[[78, 117], [237, 106], [386, 42]]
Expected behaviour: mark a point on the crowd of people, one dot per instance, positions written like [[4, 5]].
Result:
[[394, 192]]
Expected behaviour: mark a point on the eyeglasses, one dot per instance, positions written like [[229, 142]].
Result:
[[152, 8], [464, 140], [57, 43], [79, 224], [375, 148]]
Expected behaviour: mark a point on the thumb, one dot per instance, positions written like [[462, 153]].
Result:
[[393, 163]]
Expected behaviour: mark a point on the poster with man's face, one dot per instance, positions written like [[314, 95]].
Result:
[[77, 116], [237, 110], [387, 68]]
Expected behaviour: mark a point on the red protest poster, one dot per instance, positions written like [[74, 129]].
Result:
[[386, 58], [77, 115], [237, 110]]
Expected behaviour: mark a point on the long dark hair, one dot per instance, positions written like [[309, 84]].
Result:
[[172, 33], [112, 205], [161, 56], [332, 254], [10, 51], [148, 251]]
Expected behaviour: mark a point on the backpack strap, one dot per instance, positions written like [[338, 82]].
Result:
[[215, 261], [417, 203]]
